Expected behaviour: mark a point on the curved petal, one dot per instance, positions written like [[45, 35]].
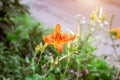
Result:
[[48, 39], [118, 36], [59, 47], [68, 37], [117, 31], [57, 28]]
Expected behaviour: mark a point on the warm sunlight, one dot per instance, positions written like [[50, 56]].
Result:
[[59, 39]]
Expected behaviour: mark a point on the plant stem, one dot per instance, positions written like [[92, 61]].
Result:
[[38, 61], [60, 68], [118, 75], [78, 69], [115, 50], [110, 26], [33, 63], [68, 60]]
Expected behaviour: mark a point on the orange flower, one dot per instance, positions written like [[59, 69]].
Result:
[[116, 32], [57, 38]]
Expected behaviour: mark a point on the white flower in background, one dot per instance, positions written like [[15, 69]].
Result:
[[100, 12], [92, 29], [106, 22], [83, 20], [70, 31]]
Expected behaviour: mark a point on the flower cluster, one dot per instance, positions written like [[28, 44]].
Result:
[[80, 74], [98, 15]]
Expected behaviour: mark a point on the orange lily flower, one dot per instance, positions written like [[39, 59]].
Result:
[[58, 39], [116, 32]]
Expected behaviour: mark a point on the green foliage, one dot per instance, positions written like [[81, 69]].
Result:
[[8, 8], [19, 61], [11, 7], [39, 77], [79, 61], [16, 54]]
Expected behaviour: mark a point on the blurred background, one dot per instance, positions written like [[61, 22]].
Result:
[[52, 12], [64, 12], [20, 34]]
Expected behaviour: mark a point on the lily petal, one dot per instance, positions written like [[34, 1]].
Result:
[[59, 48]]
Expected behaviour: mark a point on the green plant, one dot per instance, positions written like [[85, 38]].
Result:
[[7, 9], [55, 58], [16, 54], [77, 61]]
